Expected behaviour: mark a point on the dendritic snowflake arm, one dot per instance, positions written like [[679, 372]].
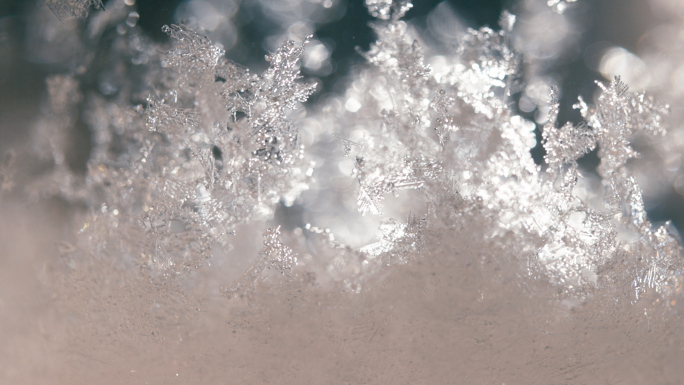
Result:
[[193, 56], [564, 145], [618, 115]]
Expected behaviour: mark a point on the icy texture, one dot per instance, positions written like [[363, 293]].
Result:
[[234, 154], [388, 9], [452, 137], [413, 239], [274, 255], [72, 8], [211, 148], [214, 147]]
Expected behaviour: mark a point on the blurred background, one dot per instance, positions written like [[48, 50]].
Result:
[[570, 45]]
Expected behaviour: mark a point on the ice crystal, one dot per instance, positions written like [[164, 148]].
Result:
[[220, 149], [274, 254], [619, 115], [560, 6], [388, 9], [162, 117], [461, 142], [399, 240], [200, 206], [227, 170], [72, 8], [564, 146]]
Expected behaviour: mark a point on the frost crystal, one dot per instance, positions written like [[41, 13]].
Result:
[[450, 136], [217, 212], [215, 146], [72, 8], [223, 170], [274, 254], [388, 9], [218, 150]]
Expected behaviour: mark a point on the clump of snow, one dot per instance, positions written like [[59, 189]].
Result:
[[414, 237]]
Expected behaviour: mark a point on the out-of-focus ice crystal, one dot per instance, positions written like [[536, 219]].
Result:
[[7, 172], [388, 9], [72, 8]]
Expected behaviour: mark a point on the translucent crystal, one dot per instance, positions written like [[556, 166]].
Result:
[[193, 55], [220, 150], [72, 8], [274, 254], [396, 221]]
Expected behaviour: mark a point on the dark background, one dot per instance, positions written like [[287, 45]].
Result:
[[601, 20]]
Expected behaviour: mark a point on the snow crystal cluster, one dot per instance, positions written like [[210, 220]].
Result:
[[188, 146]]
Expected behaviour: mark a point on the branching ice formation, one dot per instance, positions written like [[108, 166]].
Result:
[[274, 254], [214, 146], [459, 143], [235, 153], [211, 148]]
